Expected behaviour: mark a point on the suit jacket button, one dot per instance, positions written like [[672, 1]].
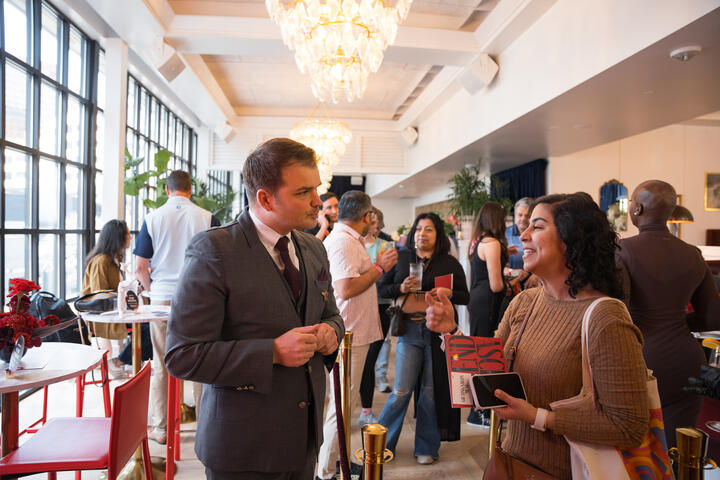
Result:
[[302, 404]]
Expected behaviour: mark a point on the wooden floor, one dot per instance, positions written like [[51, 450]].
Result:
[[461, 460]]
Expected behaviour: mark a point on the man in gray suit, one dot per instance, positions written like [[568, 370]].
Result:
[[254, 318]]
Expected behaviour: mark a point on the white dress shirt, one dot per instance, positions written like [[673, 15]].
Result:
[[349, 259], [269, 239]]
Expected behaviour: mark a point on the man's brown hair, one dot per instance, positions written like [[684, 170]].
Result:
[[264, 166], [179, 181]]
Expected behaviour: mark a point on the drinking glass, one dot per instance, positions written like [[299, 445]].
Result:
[[387, 246], [416, 270]]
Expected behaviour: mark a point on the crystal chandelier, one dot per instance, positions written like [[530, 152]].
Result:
[[327, 137], [338, 42]]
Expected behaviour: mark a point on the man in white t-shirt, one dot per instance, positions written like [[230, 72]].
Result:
[[160, 251], [353, 278]]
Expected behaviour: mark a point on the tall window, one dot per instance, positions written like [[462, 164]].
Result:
[[219, 182], [152, 126], [47, 143]]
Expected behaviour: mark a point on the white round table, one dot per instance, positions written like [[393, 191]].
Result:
[[52, 362], [144, 314]]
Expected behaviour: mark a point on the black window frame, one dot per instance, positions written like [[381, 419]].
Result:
[[179, 160], [87, 163]]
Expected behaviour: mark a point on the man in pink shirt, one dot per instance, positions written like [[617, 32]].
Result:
[[353, 275]]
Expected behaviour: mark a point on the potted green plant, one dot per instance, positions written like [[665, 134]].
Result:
[[220, 204], [468, 192]]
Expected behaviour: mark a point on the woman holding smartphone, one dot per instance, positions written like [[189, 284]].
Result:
[[570, 246], [418, 351]]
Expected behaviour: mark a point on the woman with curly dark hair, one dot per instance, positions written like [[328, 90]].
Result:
[[570, 246]]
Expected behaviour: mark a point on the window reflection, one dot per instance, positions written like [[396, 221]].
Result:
[[48, 262], [50, 112], [76, 62], [73, 198], [50, 51], [73, 265], [49, 194], [18, 190], [75, 128], [17, 257], [18, 103], [16, 20]]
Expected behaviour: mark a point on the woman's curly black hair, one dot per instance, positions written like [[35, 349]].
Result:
[[590, 243]]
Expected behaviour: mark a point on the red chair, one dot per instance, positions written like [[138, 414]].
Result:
[[90, 443], [80, 383]]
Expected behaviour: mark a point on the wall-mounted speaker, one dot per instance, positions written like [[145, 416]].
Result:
[[166, 60], [225, 132], [409, 135], [478, 74]]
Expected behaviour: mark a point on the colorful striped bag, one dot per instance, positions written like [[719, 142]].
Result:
[[592, 461]]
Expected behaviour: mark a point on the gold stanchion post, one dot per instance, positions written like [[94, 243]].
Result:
[[690, 454], [492, 437], [345, 370], [373, 453]]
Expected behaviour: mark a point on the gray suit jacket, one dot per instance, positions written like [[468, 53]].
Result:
[[230, 303]]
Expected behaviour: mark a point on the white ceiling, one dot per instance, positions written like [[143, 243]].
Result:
[[644, 92], [240, 72], [257, 74]]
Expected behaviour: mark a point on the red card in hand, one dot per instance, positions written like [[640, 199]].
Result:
[[444, 281]]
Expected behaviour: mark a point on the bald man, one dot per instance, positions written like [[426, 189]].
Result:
[[662, 274]]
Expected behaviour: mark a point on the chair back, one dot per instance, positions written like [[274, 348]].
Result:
[[128, 425]]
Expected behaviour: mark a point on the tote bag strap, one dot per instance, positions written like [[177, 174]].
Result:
[[510, 357], [588, 386]]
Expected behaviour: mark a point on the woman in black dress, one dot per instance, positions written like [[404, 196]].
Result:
[[488, 256]]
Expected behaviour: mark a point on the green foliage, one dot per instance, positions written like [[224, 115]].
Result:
[[470, 191], [403, 229], [219, 204], [447, 226]]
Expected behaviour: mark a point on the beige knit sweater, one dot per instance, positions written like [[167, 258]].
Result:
[[548, 360]]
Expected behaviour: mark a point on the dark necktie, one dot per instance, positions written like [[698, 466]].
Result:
[[292, 275]]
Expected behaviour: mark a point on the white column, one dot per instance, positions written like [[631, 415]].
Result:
[[204, 151], [113, 165]]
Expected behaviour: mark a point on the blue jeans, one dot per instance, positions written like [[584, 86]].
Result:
[[413, 362], [381, 363]]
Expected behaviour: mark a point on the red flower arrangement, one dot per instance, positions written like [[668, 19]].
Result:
[[18, 322]]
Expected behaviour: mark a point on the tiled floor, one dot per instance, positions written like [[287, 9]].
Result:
[[462, 460]]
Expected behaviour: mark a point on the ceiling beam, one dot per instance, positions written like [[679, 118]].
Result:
[[260, 37]]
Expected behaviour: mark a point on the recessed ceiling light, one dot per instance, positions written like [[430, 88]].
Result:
[[401, 186], [684, 54], [553, 127], [579, 126]]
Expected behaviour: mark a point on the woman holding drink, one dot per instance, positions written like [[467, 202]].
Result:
[[418, 351]]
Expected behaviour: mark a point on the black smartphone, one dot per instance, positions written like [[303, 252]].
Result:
[[327, 217], [484, 385]]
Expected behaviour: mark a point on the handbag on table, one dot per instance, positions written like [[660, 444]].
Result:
[[503, 465], [592, 461]]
